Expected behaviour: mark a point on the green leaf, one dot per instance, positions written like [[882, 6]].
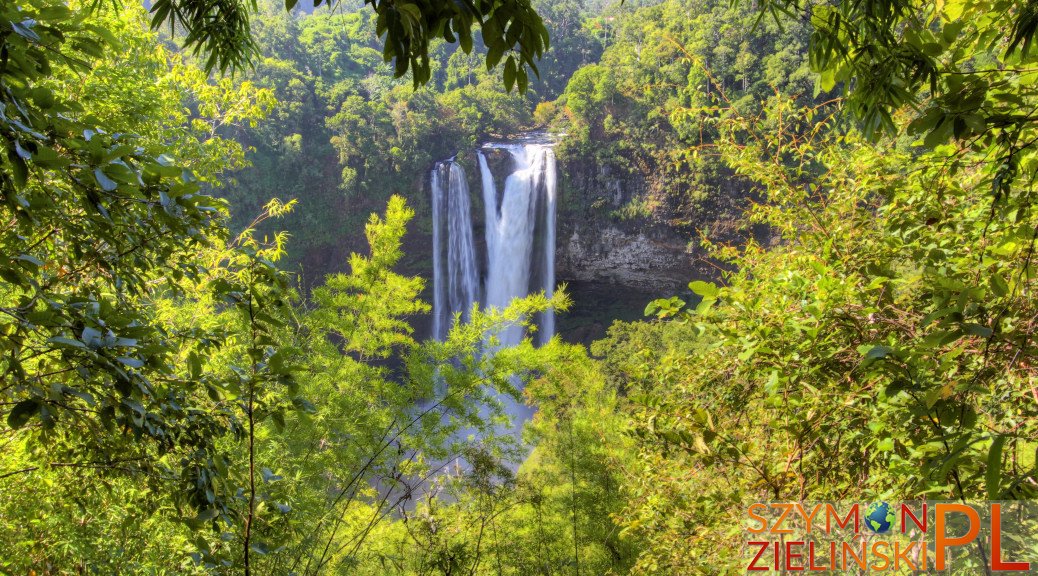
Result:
[[977, 330], [62, 341], [509, 73], [951, 31], [106, 183], [18, 167], [940, 133], [269, 476], [998, 285], [877, 352], [494, 54], [25, 29], [207, 514], [464, 37], [705, 289], [304, 405], [827, 79], [43, 97], [932, 49], [91, 337], [131, 362], [412, 12], [953, 9], [22, 413]]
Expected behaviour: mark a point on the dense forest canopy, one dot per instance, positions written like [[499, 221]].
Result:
[[350, 135], [213, 280]]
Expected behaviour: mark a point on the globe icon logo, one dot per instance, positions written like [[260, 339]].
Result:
[[879, 517]]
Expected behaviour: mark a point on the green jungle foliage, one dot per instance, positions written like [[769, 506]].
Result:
[[634, 114], [172, 404], [347, 135]]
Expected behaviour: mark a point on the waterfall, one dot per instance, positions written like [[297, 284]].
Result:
[[456, 285], [519, 222], [439, 290], [548, 319], [519, 231]]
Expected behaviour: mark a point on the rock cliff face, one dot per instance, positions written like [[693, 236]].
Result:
[[630, 258], [624, 239], [613, 228], [614, 262]]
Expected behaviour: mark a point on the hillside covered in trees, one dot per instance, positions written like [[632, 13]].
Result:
[[789, 247]]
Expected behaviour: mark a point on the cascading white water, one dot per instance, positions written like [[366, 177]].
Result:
[[550, 180], [463, 279], [519, 233], [520, 249], [456, 281], [439, 288], [511, 229]]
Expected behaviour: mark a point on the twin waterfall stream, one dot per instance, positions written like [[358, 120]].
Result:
[[519, 235], [519, 230]]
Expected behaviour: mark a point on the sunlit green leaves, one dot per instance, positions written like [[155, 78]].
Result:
[[881, 333], [665, 307], [100, 221]]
